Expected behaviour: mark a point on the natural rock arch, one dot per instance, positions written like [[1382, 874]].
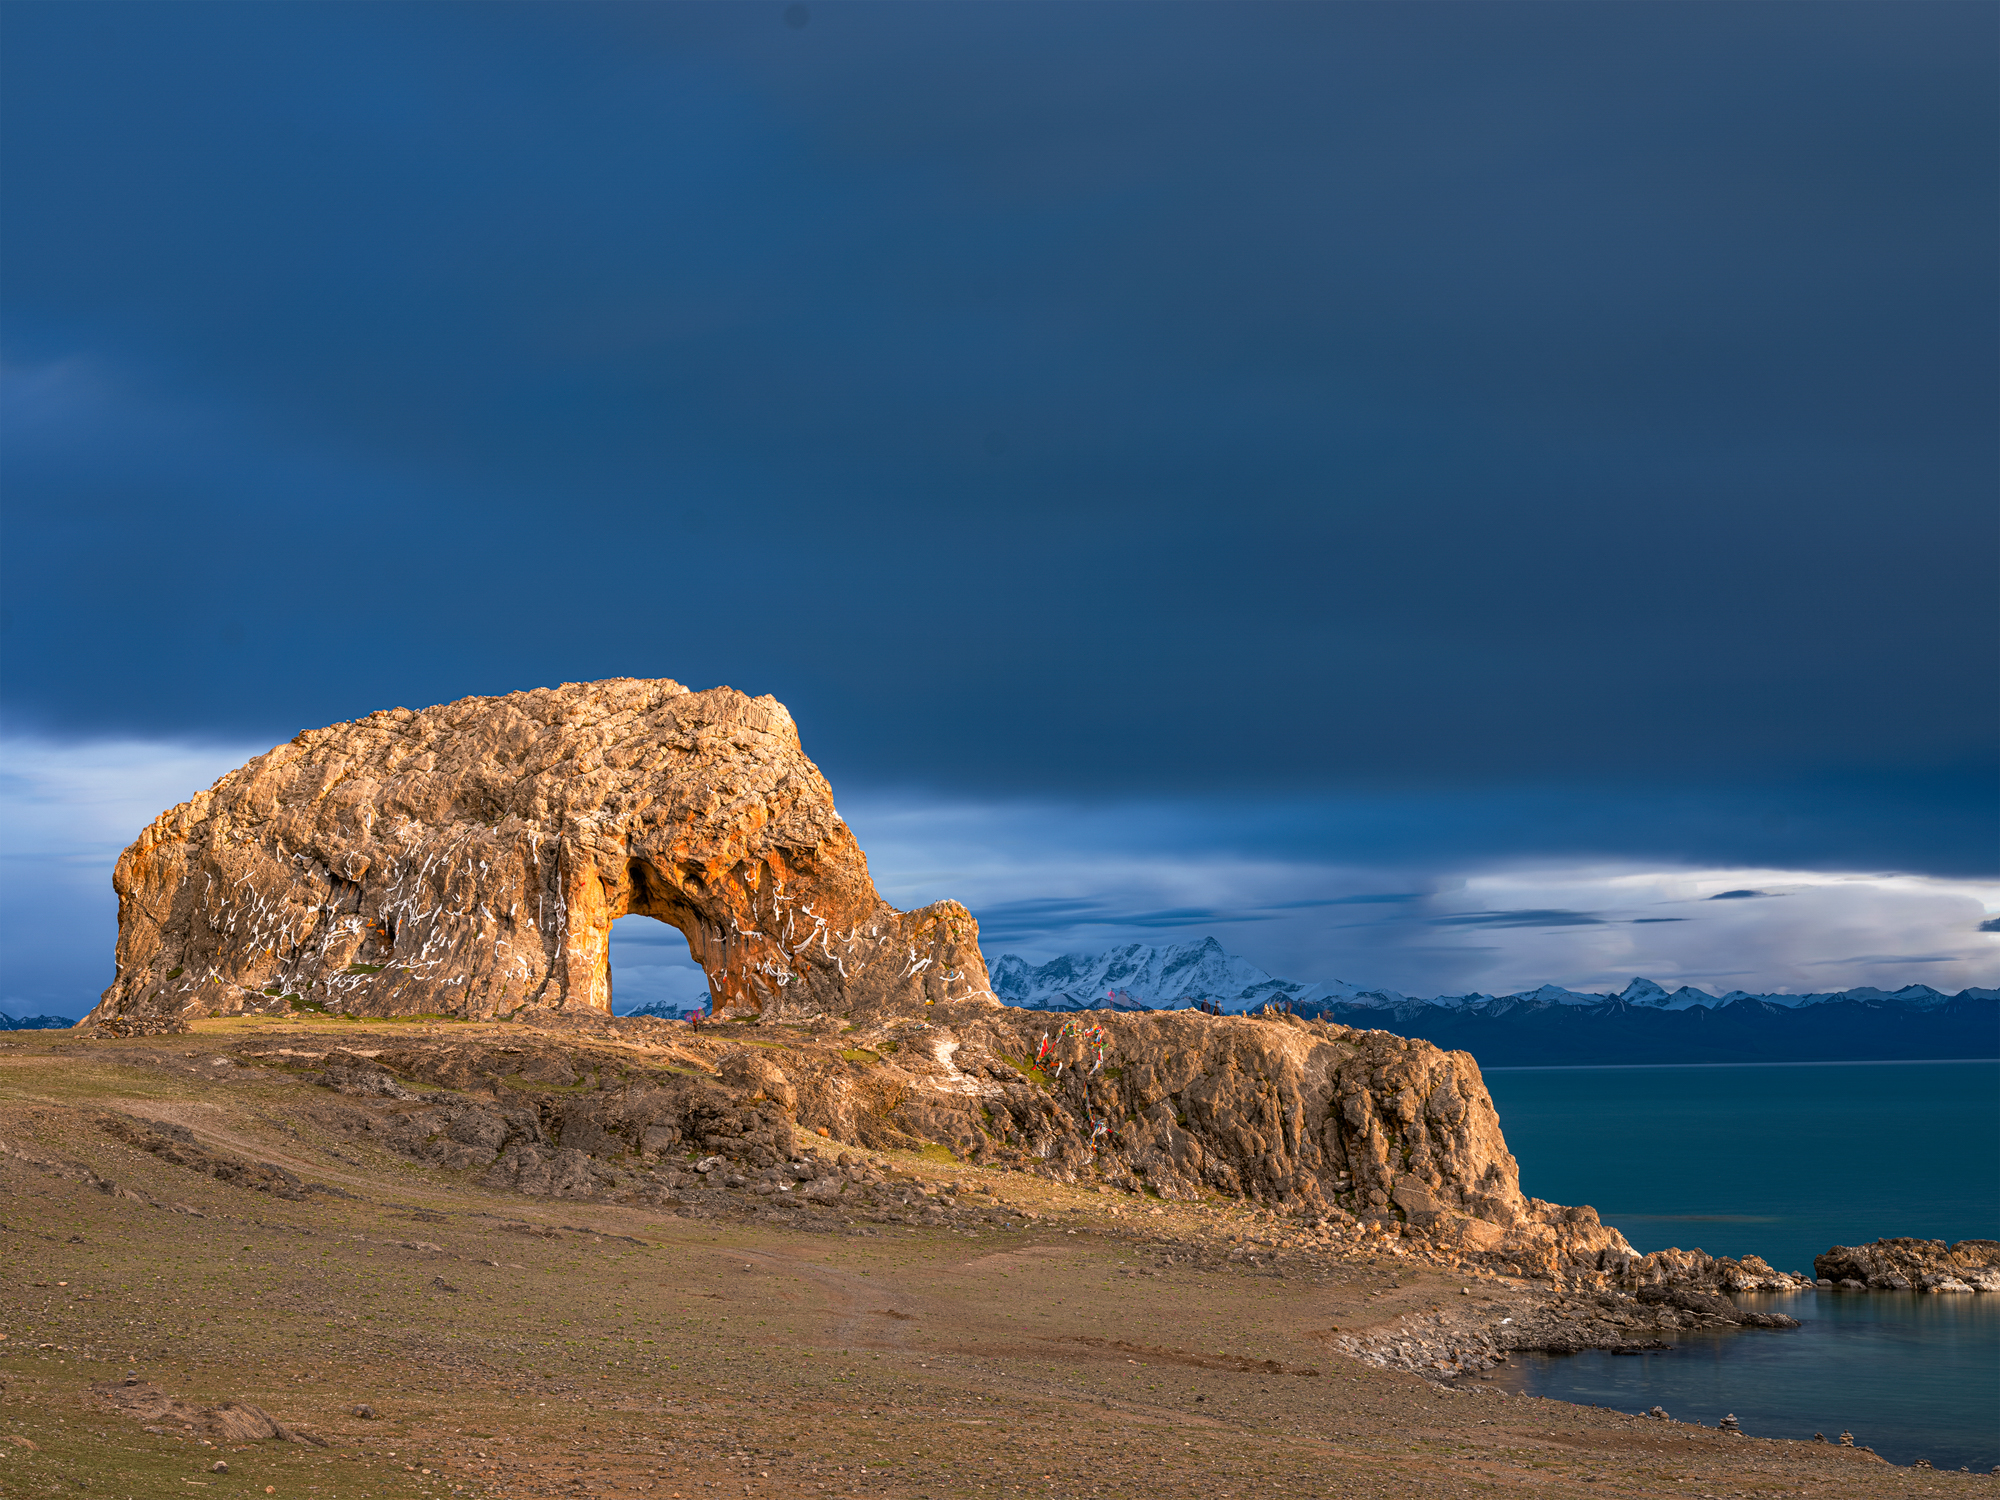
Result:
[[469, 860]]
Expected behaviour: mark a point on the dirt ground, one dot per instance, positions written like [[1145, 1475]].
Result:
[[1036, 1339]]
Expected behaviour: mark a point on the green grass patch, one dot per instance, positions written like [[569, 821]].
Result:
[[860, 1055], [1029, 1071], [364, 968], [318, 1007], [940, 1154]]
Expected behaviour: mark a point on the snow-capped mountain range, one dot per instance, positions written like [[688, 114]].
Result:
[[1140, 977]]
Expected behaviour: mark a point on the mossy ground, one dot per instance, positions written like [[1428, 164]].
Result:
[[1057, 1342]]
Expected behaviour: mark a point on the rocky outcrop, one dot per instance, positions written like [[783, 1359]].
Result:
[[231, 1422], [1308, 1117], [1452, 1341], [1696, 1271], [468, 860], [1351, 1130], [1910, 1265]]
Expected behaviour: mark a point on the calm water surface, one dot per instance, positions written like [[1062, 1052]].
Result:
[[1783, 1161], [1911, 1377]]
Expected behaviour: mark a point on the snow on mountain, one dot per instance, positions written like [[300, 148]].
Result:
[[1555, 994], [1644, 992], [663, 1011], [1140, 977]]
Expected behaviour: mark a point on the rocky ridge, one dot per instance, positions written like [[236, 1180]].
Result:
[[1357, 1134]]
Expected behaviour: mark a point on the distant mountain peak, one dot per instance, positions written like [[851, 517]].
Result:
[[1154, 978], [1643, 992], [1145, 977]]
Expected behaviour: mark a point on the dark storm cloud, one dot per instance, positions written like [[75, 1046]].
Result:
[[1246, 401], [1738, 895], [1547, 917], [1041, 917], [1877, 822], [1397, 899]]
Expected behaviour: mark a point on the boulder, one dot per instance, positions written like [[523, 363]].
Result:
[[469, 859]]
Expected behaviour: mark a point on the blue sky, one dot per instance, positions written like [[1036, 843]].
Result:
[[1177, 458]]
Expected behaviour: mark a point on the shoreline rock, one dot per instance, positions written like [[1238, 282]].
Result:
[[1912, 1265]]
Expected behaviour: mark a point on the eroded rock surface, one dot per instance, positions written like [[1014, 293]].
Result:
[[1911, 1265], [1306, 1116], [231, 1422], [1698, 1271], [1354, 1131], [468, 860]]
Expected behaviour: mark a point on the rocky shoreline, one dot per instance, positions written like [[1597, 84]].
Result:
[[1911, 1265]]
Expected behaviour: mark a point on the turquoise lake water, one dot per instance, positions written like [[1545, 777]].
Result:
[[1782, 1161]]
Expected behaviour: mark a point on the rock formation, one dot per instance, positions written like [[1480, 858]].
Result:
[[1698, 1271], [232, 1422], [469, 860], [1911, 1265], [1301, 1115], [1358, 1132]]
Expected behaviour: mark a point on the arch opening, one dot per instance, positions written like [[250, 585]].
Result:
[[652, 970]]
